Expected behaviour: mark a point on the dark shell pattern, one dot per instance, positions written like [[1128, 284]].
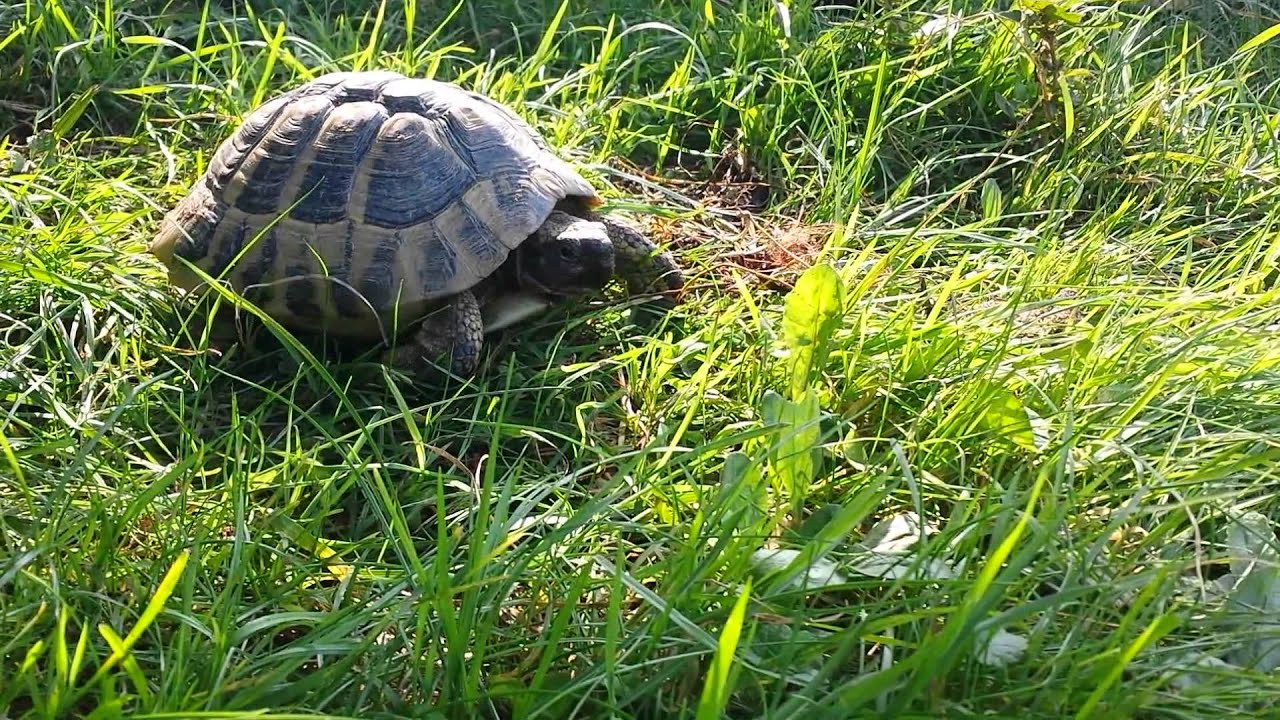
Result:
[[361, 195]]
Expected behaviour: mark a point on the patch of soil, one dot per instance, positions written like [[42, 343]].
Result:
[[782, 252], [773, 251], [15, 121], [733, 186]]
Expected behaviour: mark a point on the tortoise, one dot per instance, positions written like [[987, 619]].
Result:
[[368, 204]]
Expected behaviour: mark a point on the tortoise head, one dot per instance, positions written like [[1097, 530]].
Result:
[[566, 256]]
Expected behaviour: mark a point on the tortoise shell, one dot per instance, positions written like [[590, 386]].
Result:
[[360, 195]]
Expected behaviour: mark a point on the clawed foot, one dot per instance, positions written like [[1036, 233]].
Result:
[[454, 332]]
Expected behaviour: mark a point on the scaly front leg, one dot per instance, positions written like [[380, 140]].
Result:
[[455, 331], [639, 263]]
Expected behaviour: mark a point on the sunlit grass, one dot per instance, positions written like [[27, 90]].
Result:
[[1051, 333]]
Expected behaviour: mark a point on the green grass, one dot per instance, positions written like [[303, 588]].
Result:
[[1048, 326]]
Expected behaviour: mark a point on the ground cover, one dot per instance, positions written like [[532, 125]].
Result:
[[981, 333]]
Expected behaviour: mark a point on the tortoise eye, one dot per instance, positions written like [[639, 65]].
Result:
[[567, 253]]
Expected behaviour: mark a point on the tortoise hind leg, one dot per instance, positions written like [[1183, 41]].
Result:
[[455, 332]]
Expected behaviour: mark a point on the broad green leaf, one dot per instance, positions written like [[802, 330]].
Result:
[[1004, 414], [795, 456], [771, 407], [742, 490], [738, 467], [1052, 10], [811, 562], [992, 200], [813, 310], [1254, 602], [73, 113], [814, 524], [34, 653]]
